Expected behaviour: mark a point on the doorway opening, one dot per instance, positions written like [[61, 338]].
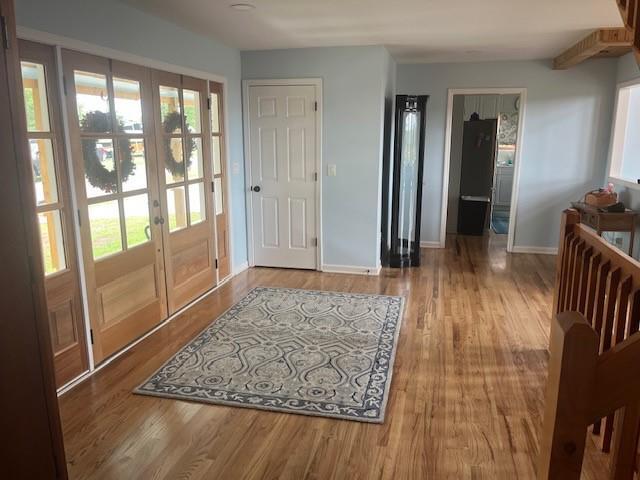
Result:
[[482, 160]]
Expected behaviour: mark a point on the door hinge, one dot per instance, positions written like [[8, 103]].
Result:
[[213, 188], [216, 263], [208, 103], [64, 85], [5, 32], [79, 219], [91, 335], [32, 269], [314, 242], [315, 106], [315, 177]]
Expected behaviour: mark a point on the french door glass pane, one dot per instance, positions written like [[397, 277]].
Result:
[[128, 104], [136, 220], [92, 98], [104, 223], [195, 169], [196, 203], [215, 146], [52, 241], [170, 110], [44, 171], [177, 208], [134, 174], [101, 177], [217, 188], [191, 101], [174, 160], [215, 114], [35, 97]]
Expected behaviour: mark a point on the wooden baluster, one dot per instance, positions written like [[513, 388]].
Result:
[[625, 443], [591, 286], [574, 353], [566, 304], [575, 277], [622, 308], [598, 311], [606, 338], [634, 314], [584, 278], [564, 272], [570, 218]]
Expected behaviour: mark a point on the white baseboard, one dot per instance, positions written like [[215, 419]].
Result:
[[428, 244], [354, 270], [240, 268], [536, 250]]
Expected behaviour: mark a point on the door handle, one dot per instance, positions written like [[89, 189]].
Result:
[[158, 220], [255, 189]]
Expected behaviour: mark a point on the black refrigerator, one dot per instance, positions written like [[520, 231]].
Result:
[[402, 184]]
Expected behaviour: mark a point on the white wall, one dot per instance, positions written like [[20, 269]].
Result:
[[565, 137], [112, 24], [628, 70], [355, 80]]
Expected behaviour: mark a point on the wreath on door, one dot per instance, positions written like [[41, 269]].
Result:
[[94, 153], [171, 123]]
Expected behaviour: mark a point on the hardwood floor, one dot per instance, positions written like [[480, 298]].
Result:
[[466, 398]]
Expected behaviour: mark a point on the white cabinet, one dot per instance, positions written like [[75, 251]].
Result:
[[487, 106]]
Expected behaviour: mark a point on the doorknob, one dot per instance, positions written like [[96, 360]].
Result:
[[255, 189]]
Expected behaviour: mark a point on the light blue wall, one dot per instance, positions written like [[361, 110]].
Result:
[[111, 24], [565, 139], [354, 85], [628, 70]]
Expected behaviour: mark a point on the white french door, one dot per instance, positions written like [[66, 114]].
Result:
[[282, 141]]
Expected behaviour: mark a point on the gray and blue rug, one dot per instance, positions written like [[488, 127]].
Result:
[[295, 351]]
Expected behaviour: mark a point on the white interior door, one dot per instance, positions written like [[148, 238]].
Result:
[[282, 139]]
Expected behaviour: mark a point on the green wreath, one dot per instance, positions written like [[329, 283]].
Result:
[[99, 176], [171, 123]]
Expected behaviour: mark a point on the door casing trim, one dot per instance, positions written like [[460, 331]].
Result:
[[246, 84]]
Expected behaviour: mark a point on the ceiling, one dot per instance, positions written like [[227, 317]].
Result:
[[413, 30]]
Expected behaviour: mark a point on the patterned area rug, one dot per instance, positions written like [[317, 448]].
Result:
[[294, 351]]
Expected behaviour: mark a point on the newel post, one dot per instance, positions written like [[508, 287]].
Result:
[[574, 353], [570, 217]]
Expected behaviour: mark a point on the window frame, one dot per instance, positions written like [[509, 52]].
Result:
[[618, 135]]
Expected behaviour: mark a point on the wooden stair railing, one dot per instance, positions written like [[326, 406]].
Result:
[[595, 355]]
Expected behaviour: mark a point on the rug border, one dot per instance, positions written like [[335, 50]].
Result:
[[383, 408]]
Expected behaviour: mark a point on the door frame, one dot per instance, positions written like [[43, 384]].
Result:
[[62, 42], [513, 209], [284, 82]]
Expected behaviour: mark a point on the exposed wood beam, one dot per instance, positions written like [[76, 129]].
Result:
[[606, 42]]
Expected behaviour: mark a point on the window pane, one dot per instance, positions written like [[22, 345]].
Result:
[[92, 98], [52, 242], [196, 203], [44, 171], [630, 169], [215, 114], [215, 146], [173, 160], [195, 169], [104, 222], [177, 208], [133, 165], [35, 97], [170, 110], [136, 220], [191, 101], [100, 173], [217, 188], [128, 105]]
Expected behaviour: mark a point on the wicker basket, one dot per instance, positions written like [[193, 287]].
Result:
[[601, 198]]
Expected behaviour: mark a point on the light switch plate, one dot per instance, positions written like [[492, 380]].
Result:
[[331, 170], [235, 168]]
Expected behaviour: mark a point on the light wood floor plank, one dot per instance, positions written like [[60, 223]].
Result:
[[466, 399]]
